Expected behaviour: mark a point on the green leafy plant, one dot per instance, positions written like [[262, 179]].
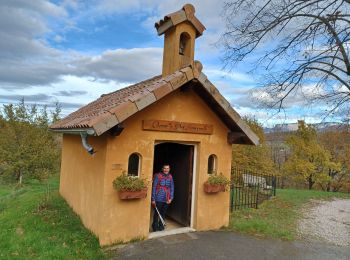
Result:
[[218, 179], [129, 183]]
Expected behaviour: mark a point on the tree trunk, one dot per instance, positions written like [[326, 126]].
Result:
[[20, 178], [311, 183]]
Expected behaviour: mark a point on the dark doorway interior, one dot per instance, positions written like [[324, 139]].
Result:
[[180, 159]]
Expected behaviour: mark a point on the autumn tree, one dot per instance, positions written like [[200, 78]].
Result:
[[308, 162], [337, 142], [296, 45], [27, 148], [253, 158], [276, 141]]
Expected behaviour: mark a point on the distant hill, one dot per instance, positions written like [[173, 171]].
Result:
[[321, 127]]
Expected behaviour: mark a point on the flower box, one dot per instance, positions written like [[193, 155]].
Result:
[[213, 188], [129, 195], [130, 187], [216, 183]]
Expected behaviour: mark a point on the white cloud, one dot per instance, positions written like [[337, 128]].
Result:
[[59, 38], [90, 89], [71, 92], [269, 118], [341, 89], [37, 6], [27, 59], [121, 65], [305, 95], [234, 75]]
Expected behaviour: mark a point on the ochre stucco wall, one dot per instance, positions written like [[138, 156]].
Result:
[[81, 180], [125, 220]]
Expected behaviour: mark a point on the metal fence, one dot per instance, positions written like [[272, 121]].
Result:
[[249, 189]]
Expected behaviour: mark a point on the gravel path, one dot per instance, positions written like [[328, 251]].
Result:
[[327, 221]]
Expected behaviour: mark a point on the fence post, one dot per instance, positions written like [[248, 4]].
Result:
[[231, 196]]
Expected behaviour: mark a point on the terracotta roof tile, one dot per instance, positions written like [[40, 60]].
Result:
[[89, 114], [185, 14], [113, 108]]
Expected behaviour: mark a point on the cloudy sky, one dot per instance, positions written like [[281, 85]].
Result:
[[72, 51]]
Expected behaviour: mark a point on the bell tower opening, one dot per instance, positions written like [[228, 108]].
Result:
[[185, 42]]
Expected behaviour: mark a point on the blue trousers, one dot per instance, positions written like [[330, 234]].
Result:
[[157, 224]]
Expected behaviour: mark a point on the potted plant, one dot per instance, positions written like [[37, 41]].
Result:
[[216, 183], [130, 187]]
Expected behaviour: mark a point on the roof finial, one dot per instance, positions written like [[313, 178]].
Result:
[[198, 65], [189, 10]]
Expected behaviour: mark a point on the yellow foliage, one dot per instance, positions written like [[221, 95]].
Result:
[[338, 144], [253, 158], [309, 161]]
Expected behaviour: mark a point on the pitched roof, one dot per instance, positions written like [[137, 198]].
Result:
[[185, 14], [111, 109]]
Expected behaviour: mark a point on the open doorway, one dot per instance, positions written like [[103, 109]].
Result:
[[180, 158]]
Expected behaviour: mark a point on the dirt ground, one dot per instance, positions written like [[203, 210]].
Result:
[[327, 221]]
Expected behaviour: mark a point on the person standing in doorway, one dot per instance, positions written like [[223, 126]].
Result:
[[162, 195]]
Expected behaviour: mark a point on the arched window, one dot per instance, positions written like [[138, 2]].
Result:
[[212, 164], [134, 164], [185, 44]]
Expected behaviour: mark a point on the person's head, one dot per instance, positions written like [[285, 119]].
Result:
[[166, 168]]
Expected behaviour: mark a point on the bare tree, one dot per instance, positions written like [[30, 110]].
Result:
[[300, 46]]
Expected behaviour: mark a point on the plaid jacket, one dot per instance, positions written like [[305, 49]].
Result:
[[163, 188]]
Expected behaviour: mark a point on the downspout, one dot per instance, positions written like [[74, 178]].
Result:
[[83, 132], [86, 145]]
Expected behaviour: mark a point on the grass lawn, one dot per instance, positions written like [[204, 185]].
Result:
[[38, 224], [277, 218]]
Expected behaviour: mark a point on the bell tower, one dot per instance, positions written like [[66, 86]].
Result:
[[180, 31]]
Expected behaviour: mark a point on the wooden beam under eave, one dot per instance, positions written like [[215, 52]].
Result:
[[236, 138], [116, 130]]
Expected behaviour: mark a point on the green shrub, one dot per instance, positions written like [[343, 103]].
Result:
[[218, 179], [129, 183]]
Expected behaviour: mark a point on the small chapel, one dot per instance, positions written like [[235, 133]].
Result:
[[178, 117]]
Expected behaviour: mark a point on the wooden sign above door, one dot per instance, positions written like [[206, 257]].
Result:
[[175, 126]]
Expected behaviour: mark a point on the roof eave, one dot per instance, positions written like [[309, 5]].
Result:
[[74, 131], [250, 137]]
